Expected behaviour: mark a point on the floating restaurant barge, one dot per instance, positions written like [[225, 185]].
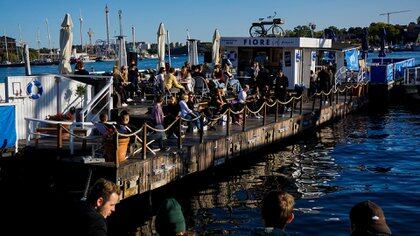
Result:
[[144, 169]]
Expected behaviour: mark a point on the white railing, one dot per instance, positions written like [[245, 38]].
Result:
[[105, 92], [412, 76], [32, 125]]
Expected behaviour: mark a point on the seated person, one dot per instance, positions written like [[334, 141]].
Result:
[[171, 81], [219, 102], [80, 68], [189, 114], [102, 127], [171, 111]]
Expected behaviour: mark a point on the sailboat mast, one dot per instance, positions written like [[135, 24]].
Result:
[[5, 43], [49, 36], [107, 29]]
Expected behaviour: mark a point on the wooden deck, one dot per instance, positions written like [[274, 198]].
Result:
[[137, 175]]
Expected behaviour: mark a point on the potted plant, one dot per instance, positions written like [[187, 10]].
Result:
[[81, 90]]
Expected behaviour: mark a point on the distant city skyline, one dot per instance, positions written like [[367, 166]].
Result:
[[201, 18]]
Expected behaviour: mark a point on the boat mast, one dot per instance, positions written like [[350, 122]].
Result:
[[81, 34], [107, 30], [5, 43], [38, 42], [133, 32], [21, 42], [49, 36], [169, 47]]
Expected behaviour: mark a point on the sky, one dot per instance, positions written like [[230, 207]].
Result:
[[201, 17]]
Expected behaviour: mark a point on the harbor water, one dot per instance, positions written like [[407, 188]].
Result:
[[366, 156]]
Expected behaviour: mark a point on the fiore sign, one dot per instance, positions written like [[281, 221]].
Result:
[[260, 42]]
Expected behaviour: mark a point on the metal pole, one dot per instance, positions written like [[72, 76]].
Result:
[[276, 116]]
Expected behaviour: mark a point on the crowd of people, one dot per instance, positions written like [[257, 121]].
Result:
[[366, 218]]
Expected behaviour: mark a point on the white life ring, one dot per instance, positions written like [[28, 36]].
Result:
[[30, 89]]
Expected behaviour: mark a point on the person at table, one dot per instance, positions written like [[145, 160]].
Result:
[[219, 102], [80, 68], [218, 74], [172, 112], [160, 81], [171, 81], [198, 71], [189, 114], [187, 79]]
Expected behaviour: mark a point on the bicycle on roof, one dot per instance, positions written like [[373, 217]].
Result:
[[258, 28]]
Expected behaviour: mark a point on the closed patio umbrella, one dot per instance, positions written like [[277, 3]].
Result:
[[161, 41], [66, 43], [365, 43], [192, 52], [382, 34], [216, 47]]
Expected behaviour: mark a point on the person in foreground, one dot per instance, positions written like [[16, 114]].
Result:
[[367, 218], [277, 212], [100, 204], [170, 220]]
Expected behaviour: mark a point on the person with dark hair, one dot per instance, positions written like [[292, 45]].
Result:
[[100, 204], [367, 218], [277, 212], [80, 68], [102, 127], [171, 111]]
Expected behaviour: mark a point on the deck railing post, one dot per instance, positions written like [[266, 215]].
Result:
[[144, 141], [244, 118], [201, 128], [337, 93], [320, 101], [179, 133], [330, 96], [292, 107], [301, 106], [228, 123], [351, 94], [345, 95], [276, 116], [116, 148], [264, 113], [59, 136]]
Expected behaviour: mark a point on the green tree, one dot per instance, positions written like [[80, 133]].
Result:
[[302, 31]]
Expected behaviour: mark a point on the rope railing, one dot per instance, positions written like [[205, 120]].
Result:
[[141, 134]]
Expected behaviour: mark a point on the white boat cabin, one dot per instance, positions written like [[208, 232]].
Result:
[[296, 57]]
